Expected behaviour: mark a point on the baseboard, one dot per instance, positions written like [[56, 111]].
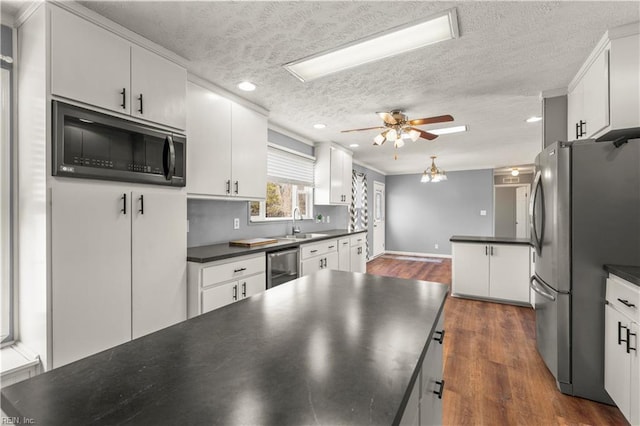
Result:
[[414, 253]]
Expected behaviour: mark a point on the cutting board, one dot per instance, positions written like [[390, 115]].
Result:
[[253, 242]]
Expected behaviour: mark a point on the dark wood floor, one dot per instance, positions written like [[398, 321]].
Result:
[[493, 373]]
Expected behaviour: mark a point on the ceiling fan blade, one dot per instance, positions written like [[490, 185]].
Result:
[[431, 120], [425, 135], [387, 118], [366, 128]]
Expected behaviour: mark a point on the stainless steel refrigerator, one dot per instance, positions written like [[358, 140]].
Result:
[[585, 212]]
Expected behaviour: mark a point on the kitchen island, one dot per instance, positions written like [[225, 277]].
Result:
[[329, 348]]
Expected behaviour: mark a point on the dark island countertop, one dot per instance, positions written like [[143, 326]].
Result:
[[626, 272], [489, 240], [210, 253], [328, 348]]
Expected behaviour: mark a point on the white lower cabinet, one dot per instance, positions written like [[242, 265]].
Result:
[[344, 254], [621, 359], [118, 270], [317, 256], [496, 271], [424, 406], [216, 284], [358, 253]]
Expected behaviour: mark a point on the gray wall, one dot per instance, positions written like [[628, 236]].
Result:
[[524, 179], [372, 176], [420, 215], [505, 211], [554, 120]]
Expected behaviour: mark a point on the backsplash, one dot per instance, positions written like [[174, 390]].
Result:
[[211, 222]]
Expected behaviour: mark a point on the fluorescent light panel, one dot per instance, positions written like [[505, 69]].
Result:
[[448, 130], [443, 26]]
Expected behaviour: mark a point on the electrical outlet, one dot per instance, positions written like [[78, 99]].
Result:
[[236, 223], [483, 212], [436, 246], [328, 219]]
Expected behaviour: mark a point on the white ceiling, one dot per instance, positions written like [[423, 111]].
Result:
[[490, 78]]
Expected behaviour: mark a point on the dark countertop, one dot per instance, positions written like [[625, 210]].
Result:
[[497, 240], [328, 348], [221, 251], [626, 272]]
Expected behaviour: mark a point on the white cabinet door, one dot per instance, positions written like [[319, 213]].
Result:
[[209, 136], [159, 266], [432, 366], [616, 360], [249, 152], [344, 254], [575, 112], [358, 261], [634, 410], [336, 176], [313, 264], [595, 88], [509, 272], [219, 296], [88, 63], [158, 88], [470, 269], [90, 270], [347, 166], [252, 285], [331, 260]]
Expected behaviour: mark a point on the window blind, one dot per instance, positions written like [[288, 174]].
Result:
[[286, 167]]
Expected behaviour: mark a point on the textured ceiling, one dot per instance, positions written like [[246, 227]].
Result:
[[490, 78]]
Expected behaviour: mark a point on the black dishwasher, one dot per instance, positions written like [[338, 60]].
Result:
[[282, 266]]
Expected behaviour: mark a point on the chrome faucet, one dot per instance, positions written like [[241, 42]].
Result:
[[295, 229]]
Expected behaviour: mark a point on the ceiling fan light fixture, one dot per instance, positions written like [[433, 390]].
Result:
[[425, 177], [433, 173], [399, 143], [515, 171], [392, 135], [440, 27], [414, 135], [378, 140]]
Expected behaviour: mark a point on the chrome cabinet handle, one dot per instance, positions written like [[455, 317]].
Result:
[[140, 99], [486, 250], [141, 204], [237, 187], [629, 334], [491, 250], [229, 186], [124, 98], [620, 339], [440, 337], [124, 203], [244, 289], [235, 292], [239, 270], [321, 263]]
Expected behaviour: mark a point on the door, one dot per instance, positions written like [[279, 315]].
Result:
[[522, 204], [553, 330], [88, 63], [378, 218], [550, 217], [470, 269], [248, 152], [159, 269], [158, 89], [209, 136], [90, 269], [617, 373], [509, 272]]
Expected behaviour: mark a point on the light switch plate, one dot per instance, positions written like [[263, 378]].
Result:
[[236, 223], [483, 212], [328, 219]]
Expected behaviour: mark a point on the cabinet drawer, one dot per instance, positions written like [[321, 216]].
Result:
[[624, 297], [317, 249], [344, 243], [233, 269], [358, 240]]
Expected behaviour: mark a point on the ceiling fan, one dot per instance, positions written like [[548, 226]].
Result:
[[397, 127]]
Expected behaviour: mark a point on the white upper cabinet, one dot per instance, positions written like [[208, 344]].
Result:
[[604, 97], [158, 89], [332, 175], [89, 64], [227, 155]]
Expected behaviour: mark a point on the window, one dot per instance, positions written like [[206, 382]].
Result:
[[6, 240], [289, 186]]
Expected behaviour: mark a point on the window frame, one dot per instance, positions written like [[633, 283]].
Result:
[[261, 217]]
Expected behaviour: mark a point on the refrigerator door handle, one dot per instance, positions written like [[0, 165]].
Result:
[[537, 237], [537, 286]]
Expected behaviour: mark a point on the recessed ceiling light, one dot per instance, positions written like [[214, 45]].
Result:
[[448, 130], [443, 26], [247, 86], [319, 126], [534, 119], [354, 145]]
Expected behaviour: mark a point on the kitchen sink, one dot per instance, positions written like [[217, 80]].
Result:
[[302, 236]]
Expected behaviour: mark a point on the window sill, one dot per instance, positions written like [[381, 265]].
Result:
[[18, 363]]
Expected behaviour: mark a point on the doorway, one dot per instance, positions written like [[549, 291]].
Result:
[[378, 218], [511, 211]]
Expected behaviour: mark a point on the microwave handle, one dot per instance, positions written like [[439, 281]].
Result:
[[169, 157]]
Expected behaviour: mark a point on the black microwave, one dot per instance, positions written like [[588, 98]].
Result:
[[89, 144]]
